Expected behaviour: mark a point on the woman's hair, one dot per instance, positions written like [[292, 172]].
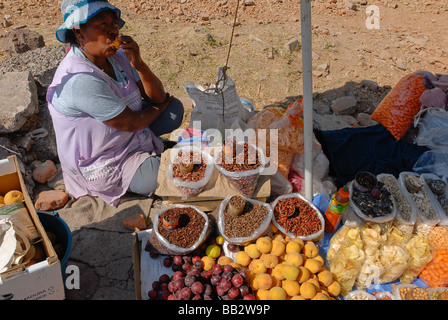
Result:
[[70, 37]]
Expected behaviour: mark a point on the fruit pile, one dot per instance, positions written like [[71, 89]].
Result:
[[11, 197], [283, 268], [197, 278]]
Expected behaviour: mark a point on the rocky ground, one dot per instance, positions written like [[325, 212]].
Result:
[[188, 40]]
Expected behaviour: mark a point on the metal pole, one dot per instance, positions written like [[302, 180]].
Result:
[[307, 77]]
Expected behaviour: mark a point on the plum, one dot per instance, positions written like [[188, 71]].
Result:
[[156, 285], [244, 290], [185, 293], [189, 280], [237, 280], [177, 275], [233, 292], [164, 278], [152, 294], [217, 269], [178, 260], [197, 287], [167, 262]]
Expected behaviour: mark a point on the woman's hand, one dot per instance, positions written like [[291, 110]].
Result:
[[132, 51]]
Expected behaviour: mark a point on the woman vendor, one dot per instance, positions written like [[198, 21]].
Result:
[[108, 108]]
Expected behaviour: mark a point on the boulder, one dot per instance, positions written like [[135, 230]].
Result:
[[19, 100], [22, 40]]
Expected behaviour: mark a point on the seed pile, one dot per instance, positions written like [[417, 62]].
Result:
[[246, 223], [243, 158], [199, 167], [438, 188], [187, 233], [374, 206], [303, 222]]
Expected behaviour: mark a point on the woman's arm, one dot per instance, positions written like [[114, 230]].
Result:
[[129, 120], [150, 86]]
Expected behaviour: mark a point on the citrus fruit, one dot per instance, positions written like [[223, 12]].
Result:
[[213, 251]]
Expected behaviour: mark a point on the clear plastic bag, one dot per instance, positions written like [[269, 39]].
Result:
[[362, 215], [419, 249], [400, 290], [244, 181], [433, 161], [260, 231], [395, 259], [397, 110], [290, 128], [427, 214], [443, 215], [406, 211], [312, 237], [177, 249], [187, 188], [433, 129], [359, 295]]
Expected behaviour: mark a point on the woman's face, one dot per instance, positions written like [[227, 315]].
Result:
[[98, 33]]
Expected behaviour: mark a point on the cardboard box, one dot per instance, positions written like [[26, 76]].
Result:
[[42, 280], [136, 258]]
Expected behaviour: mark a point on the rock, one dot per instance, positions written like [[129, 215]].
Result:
[[42, 63], [329, 122], [364, 120], [22, 40], [292, 45], [370, 84], [51, 200], [24, 142], [19, 100], [44, 171], [344, 105], [349, 119]]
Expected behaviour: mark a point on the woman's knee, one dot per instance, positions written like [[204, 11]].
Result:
[[145, 178], [176, 109]]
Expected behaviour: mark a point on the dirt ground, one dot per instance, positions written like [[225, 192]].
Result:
[[188, 40]]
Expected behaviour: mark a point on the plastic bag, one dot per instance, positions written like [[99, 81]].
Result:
[[433, 129], [365, 217], [428, 215], [174, 249], [290, 128], [400, 290], [8, 244], [395, 259], [318, 217], [397, 110], [345, 257], [433, 161], [419, 249], [406, 211], [359, 295], [260, 230], [435, 272], [208, 104], [244, 181], [439, 199], [188, 188]]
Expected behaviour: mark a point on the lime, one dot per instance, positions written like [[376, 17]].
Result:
[[213, 251], [219, 240]]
